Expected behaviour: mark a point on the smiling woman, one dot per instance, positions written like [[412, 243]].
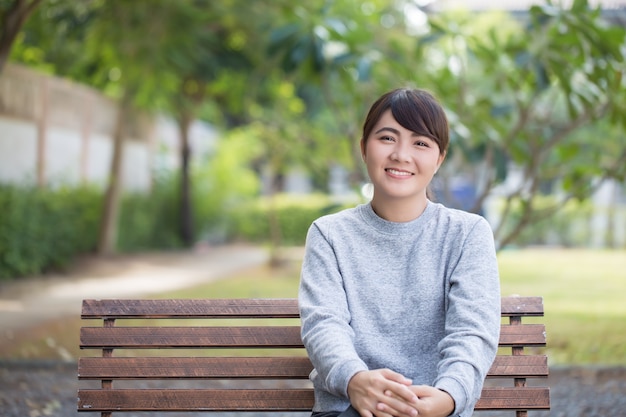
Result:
[[405, 140], [399, 298]]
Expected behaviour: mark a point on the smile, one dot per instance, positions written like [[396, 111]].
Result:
[[398, 173]]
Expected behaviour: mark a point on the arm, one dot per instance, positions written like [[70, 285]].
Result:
[[472, 319], [325, 316]]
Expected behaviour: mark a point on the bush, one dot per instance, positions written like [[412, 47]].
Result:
[[293, 214], [150, 221], [41, 229]]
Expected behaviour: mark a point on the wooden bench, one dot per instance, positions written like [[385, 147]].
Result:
[[252, 359]]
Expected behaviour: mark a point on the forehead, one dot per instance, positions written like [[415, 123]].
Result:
[[388, 123], [387, 120]]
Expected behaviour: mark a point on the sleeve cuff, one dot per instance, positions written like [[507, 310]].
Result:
[[456, 391], [338, 380]]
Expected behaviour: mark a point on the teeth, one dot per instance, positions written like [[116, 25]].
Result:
[[396, 172]]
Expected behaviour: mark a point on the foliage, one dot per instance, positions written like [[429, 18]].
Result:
[[225, 181], [148, 221], [518, 103], [516, 97], [44, 229], [251, 222]]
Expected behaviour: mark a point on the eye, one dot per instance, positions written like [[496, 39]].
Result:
[[421, 143], [387, 139]]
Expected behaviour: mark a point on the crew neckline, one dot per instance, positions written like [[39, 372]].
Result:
[[386, 226]]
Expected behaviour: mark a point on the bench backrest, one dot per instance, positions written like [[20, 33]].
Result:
[[252, 359]]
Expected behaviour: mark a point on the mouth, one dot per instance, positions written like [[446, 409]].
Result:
[[398, 173]]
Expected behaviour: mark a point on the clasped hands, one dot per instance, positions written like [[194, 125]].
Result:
[[385, 393]]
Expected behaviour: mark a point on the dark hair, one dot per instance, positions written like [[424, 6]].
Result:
[[414, 109]]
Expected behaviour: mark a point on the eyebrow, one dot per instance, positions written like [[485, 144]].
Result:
[[395, 131]]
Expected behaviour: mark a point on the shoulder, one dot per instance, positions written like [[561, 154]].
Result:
[[455, 215], [340, 217], [461, 221]]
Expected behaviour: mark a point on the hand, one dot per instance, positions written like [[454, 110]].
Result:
[[432, 402], [367, 394]]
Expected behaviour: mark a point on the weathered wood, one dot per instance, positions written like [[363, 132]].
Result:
[[523, 335], [522, 306], [205, 308], [246, 308], [535, 366], [196, 399], [191, 337], [195, 368], [247, 337], [514, 398], [269, 399], [531, 366]]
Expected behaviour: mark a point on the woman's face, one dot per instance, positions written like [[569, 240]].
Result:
[[400, 163]]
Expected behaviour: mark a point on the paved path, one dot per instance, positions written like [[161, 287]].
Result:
[[29, 302]]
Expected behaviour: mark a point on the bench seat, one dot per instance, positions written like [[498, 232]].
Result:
[[247, 355]]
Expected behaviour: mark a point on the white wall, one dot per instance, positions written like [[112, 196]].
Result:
[[77, 126], [18, 150]]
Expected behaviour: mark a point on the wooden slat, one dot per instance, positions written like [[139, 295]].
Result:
[[190, 337], [198, 399], [523, 335], [522, 306], [518, 398], [531, 366], [270, 400], [247, 337], [205, 308], [195, 368], [535, 366], [245, 308]]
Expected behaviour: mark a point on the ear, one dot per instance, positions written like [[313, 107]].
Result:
[[440, 160], [363, 145]]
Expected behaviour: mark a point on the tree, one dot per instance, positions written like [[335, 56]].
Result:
[[518, 101], [13, 15], [516, 98]]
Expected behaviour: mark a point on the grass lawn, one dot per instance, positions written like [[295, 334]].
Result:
[[584, 294]]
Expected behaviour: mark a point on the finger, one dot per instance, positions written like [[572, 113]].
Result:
[[400, 411], [396, 377], [402, 393]]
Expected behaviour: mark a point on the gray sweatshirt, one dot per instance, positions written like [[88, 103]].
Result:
[[421, 298]]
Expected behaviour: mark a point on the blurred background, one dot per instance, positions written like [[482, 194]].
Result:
[[179, 127], [157, 124]]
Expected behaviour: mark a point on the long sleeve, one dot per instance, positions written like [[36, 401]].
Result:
[[325, 316], [472, 322]]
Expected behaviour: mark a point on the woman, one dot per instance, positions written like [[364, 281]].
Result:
[[399, 298]]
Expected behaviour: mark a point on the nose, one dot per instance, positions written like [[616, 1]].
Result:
[[400, 153]]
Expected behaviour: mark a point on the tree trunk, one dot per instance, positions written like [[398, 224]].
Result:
[[11, 24], [186, 212], [107, 242]]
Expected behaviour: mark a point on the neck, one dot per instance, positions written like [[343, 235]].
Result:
[[399, 211]]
